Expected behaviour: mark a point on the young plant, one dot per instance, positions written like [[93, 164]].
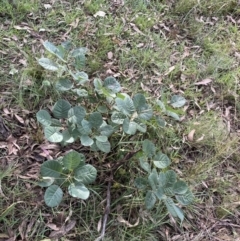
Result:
[[102, 119], [163, 185], [69, 171]]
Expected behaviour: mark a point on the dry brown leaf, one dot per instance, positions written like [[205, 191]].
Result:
[[191, 134], [122, 220], [99, 226], [52, 226], [204, 82], [20, 119]]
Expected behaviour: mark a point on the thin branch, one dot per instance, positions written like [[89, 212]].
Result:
[[107, 210]]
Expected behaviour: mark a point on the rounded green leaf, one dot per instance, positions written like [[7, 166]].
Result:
[[53, 196], [161, 122], [172, 114], [78, 191], [140, 126], [46, 181], [61, 108], [118, 117], [129, 127], [76, 114], [81, 78], [85, 174], [171, 178], [149, 148], [153, 179], [140, 183], [73, 159], [173, 209], [106, 130], [101, 138], [126, 105], [63, 85], [144, 164], [161, 160], [178, 101], [145, 112], [104, 146], [180, 187], [67, 137], [48, 64], [51, 168], [84, 128], [54, 50], [150, 200], [160, 193], [44, 118], [111, 84], [185, 199], [86, 140], [95, 119], [102, 109], [52, 134], [80, 92], [139, 101]]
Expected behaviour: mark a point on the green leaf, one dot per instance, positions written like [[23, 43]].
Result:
[[161, 160], [161, 105], [145, 112], [78, 51], [54, 50], [180, 187], [67, 137], [53, 196], [150, 200], [160, 193], [63, 85], [51, 169], [118, 117], [177, 101], [85, 174], [162, 179], [173, 209], [78, 191], [52, 134], [61, 108], [73, 159], [153, 179], [111, 84], [86, 140], [125, 105], [185, 199], [80, 77], [46, 181], [48, 64], [149, 148], [171, 178], [76, 114], [129, 127], [140, 183], [106, 130], [44, 118], [101, 138], [139, 101], [95, 119], [144, 164], [102, 109], [98, 85], [161, 122], [80, 92], [172, 114], [104, 146], [84, 128], [140, 126]]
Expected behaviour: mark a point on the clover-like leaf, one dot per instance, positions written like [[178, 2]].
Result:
[[85, 174], [86, 140], [95, 119], [51, 168], [178, 101], [104, 146], [73, 159], [141, 183], [150, 200], [78, 191], [129, 127], [63, 85], [118, 117], [144, 164], [111, 84], [126, 105], [173, 209], [180, 187], [44, 118], [139, 101], [186, 198], [149, 148], [61, 108], [161, 160], [53, 134], [57, 51], [48, 64], [76, 114], [80, 77], [53, 196]]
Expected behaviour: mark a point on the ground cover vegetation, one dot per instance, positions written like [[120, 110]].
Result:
[[107, 106]]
